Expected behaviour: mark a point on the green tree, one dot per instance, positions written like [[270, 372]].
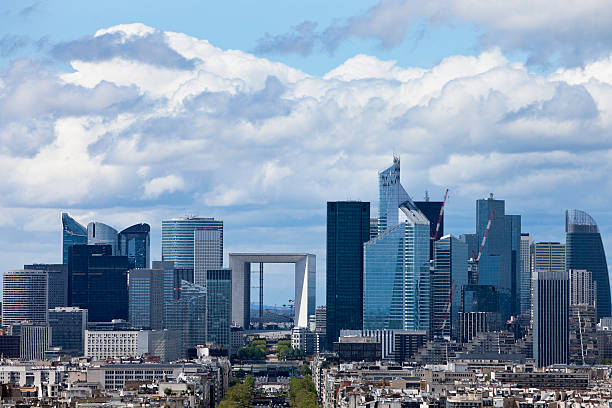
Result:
[[250, 381], [237, 396], [302, 392], [305, 370]]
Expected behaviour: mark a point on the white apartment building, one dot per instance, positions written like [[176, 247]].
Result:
[[103, 344]]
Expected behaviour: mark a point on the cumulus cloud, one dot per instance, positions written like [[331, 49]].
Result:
[[263, 145], [563, 31]]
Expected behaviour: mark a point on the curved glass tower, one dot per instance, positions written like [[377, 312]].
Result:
[[98, 233], [72, 233], [135, 243], [584, 250]]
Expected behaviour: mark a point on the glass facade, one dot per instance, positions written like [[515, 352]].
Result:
[[57, 288], [513, 236], [391, 195], [135, 243], [218, 306], [68, 325], [396, 291], [431, 210], [584, 250], [97, 281], [98, 233], [178, 239], [348, 227], [187, 315], [525, 296], [146, 298], [208, 253], [72, 233], [24, 297]]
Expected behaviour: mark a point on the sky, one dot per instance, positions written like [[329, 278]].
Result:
[[257, 113]]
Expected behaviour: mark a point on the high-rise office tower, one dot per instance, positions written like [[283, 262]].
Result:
[[187, 315], [146, 298], [373, 227], [525, 288], [348, 227], [98, 234], [585, 250], [449, 276], [178, 239], [495, 265], [550, 317], [97, 281], [391, 195], [57, 287], [72, 233], [396, 291], [513, 236], [68, 325], [135, 243], [431, 210], [208, 253], [35, 339], [24, 297], [171, 287], [581, 287], [218, 306], [583, 347], [548, 256]]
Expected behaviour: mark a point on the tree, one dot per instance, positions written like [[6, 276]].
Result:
[[251, 352], [237, 396], [250, 381], [305, 370], [167, 391]]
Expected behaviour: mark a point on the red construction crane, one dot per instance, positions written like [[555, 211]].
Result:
[[448, 307], [486, 234], [434, 234]]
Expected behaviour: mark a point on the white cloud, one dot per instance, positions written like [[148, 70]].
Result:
[[160, 185]]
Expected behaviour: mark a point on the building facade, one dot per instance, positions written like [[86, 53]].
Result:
[[585, 251], [135, 243], [347, 229], [146, 298], [178, 239], [525, 276], [72, 233], [102, 234], [34, 340], [57, 282], [432, 210], [24, 297], [218, 307], [513, 236], [68, 325], [186, 315], [208, 253], [550, 317]]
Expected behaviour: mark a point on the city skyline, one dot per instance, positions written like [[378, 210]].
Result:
[[261, 126]]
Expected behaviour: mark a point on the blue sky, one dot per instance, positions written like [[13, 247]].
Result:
[[259, 113]]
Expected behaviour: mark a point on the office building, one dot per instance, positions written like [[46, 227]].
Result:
[[135, 243], [218, 307], [525, 276], [353, 348], [513, 237], [550, 317], [24, 297], [236, 339], [585, 251], [187, 315], [396, 291], [178, 239], [208, 253], [97, 281], [146, 298], [470, 324], [450, 274], [72, 233], [68, 325], [582, 288], [102, 234], [548, 256], [431, 210], [391, 195], [103, 344], [348, 228], [57, 282], [34, 339], [303, 339], [10, 346], [373, 228]]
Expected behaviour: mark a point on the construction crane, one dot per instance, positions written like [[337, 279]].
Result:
[[484, 240], [435, 233], [448, 307]]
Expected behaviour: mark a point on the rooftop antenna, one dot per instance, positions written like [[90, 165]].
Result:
[[426, 195]]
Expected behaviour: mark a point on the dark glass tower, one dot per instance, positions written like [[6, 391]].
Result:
[[97, 281], [348, 227], [584, 250], [72, 233], [57, 288], [134, 242], [431, 210]]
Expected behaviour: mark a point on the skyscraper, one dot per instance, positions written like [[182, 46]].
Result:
[[98, 233], [373, 227], [548, 256], [391, 195], [550, 317], [68, 325], [348, 227], [449, 276], [72, 233], [396, 291], [171, 286], [513, 237], [208, 253], [431, 210], [178, 239], [585, 251], [57, 287], [187, 315], [97, 281], [24, 297], [525, 292], [135, 243], [218, 306], [581, 287], [146, 298]]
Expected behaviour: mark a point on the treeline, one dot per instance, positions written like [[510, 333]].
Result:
[[286, 352], [254, 351], [302, 392], [239, 395]]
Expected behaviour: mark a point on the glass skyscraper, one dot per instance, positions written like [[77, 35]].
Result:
[[135, 243], [348, 227], [72, 233], [431, 210], [146, 298], [208, 253], [57, 288], [525, 297], [218, 306], [68, 325], [396, 289], [513, 236], [187, 315], [178, 239], [24, 297], [391, 195], [584, 250], [99, 233]]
